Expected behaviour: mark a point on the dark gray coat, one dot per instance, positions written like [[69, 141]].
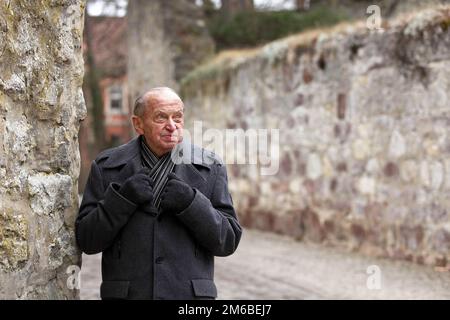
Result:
[[160, 255]]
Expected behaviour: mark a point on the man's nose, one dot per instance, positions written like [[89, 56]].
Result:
[[171, 125]]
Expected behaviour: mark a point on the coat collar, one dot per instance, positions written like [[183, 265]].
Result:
[[123, 154]]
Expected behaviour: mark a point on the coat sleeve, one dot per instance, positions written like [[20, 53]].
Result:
[[214, 222], [102, 214]]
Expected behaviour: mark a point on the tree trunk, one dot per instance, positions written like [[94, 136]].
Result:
[[231, 7], [95, 94], [303, 5], [41, 106], [166, 40]]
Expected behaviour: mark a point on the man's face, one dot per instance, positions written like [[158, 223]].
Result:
[[161, 124]]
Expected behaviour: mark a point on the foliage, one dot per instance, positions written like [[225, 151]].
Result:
[[251, 28]]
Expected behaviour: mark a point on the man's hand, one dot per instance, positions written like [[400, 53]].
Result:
[[138, 188], [177, 195]]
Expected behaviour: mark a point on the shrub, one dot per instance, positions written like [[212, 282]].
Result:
[[252, 28]]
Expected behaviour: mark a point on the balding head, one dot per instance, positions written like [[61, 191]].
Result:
[[155, 96]]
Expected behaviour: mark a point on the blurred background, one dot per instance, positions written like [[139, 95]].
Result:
[[359, 91]]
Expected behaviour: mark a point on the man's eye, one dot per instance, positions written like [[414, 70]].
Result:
[[160, 118]]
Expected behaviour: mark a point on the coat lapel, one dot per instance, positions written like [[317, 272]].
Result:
[[193, 170], [132, 167], [189, 174], [126, 159]]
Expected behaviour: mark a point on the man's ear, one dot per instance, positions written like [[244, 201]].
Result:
[[137, 124]]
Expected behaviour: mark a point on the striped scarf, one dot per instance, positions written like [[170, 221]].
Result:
[[159, 169]]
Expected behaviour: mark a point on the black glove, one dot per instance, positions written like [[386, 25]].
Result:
[[177, 195], [138, 188]]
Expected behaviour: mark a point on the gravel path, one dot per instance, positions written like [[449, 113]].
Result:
[[269, 266]]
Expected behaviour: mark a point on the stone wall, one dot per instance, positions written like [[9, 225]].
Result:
[[364, 124], [41, 105]]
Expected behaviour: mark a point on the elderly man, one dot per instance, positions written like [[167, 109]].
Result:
[[159, 223]]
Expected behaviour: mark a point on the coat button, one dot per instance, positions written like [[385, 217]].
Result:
[[159, 260]]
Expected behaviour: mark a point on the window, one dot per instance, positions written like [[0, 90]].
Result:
[[115, 97]]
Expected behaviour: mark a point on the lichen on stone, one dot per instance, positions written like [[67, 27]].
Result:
[[13, 239]]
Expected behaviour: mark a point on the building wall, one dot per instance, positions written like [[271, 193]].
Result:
[[363, 121], [118, 127]]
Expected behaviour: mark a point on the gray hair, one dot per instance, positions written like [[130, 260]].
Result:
[[141, 101], [139, 106]]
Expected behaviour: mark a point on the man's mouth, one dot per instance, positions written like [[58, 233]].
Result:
[[170, 137]]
